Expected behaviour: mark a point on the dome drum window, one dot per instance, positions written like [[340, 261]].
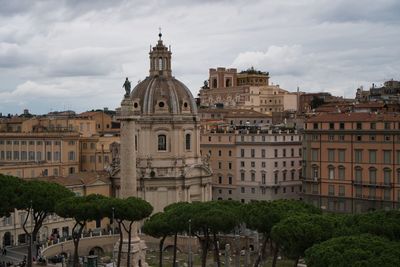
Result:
[[162, 142]]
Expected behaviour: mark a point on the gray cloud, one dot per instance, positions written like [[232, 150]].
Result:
[[56, 54]]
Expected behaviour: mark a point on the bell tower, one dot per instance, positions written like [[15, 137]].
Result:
[[160, 59]]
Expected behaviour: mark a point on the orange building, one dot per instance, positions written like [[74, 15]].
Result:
[[351, 161]]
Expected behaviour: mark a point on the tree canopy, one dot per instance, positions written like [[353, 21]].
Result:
[[354, 251], [11, 189], [297, 233]]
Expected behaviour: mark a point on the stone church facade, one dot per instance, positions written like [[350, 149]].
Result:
[[159, 152]]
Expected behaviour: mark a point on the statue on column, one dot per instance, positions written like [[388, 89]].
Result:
[[127, 86]]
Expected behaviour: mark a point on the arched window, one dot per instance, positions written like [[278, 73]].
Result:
[[162, 142], [188, 141], [160, 64]]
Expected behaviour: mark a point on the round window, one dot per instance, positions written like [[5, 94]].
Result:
[[135, 105], [161, 104], [185, 105]]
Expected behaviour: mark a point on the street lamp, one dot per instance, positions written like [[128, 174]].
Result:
[[190, 245]]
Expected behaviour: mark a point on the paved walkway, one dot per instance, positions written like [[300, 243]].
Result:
[[14, 254]]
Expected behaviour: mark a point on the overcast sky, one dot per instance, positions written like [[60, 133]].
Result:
[[58, 55]]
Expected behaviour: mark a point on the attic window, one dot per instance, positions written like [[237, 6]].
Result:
[[161, 104]]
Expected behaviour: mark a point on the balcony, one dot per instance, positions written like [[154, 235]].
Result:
[[363, 183]]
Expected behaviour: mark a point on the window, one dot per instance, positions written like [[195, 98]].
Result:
[[359, 126], [162, 142], [230, 179], [358, 174], [372, 156], [341, 190], [99, 159], [292, 152], [263, 178], [49, 155], [386, 194], [242, 164], [276, 177], [275, 164], [219, 165], [275, 153], [331, 137], [284, 176], [358, 192], [341, 137], [331, 126], [331, 190], [387, 138], [55, 171], [263, 153], [160, 63], [387, 156], [292, 173], [331, 155], [372, 192], [263, 164], [315, 126], [242, 153], [230, 153], [220, 179], [387, 125], [398, 157], [359, 138], [230, 165], [253, 153], [253, 164], [315, 172], [358, 155], [331, 172], [242, 189], [284, 152], [373, 125], [342, 153], [372, 176], [38, 155], [23, 155], [16, 155], [242, 176], [209, 139], [372, 137], [341, 126], [71, 155], [314, 154], [341, 172], [71, 170], [253, 176], [188, 141], [387, 176]]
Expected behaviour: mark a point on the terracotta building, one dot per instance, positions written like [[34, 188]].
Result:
[[248, 89], [351, 161]]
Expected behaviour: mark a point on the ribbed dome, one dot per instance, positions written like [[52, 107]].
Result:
[[160, 94]]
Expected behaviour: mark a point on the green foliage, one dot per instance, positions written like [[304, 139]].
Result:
[[43, 196], [381, 223], [82, 208], [297, 233], [263, 215], [158, 226], [354, 251], [11, 189]]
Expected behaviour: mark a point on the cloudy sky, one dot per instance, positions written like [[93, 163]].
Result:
[[75, 54]]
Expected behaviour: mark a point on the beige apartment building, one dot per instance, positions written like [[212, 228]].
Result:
[[248, 89], [352, 161], [29, 155], [254, 165]]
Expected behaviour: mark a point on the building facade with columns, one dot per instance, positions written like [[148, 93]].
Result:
[[160, 140]]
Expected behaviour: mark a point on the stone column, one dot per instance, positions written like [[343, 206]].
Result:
[[128, 183]]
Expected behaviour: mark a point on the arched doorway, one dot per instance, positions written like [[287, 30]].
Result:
[[96, 251], [7, 239]]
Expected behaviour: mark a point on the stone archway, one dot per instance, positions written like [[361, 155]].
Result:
[[96, 251], [7, 239]]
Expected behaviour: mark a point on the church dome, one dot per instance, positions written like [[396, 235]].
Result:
[[160, 92]]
